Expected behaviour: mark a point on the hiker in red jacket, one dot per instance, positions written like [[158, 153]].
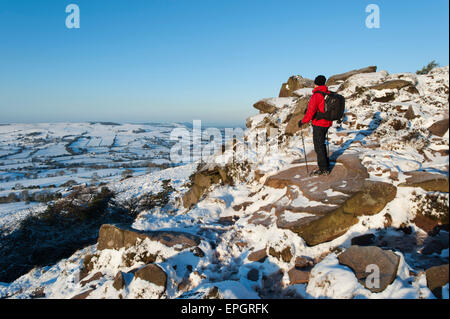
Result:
[[320, 127]]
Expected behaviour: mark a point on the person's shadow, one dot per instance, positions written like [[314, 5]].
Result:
[[360, 136]]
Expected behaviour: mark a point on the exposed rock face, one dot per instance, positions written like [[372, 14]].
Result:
[[201, 181], [358, 258], [437, 277], [112, 237], [152, 273], [355, 196], [427, 181], [393, 84], [335, 79], [264, 106], [297, 115], [439, 128], [294, 83]]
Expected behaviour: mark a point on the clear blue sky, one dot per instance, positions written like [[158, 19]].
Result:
[[179, 60]]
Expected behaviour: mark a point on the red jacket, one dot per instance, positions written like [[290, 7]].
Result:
[[317, 103]]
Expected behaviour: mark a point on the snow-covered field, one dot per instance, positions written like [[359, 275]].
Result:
[[388, 150], [54, 156]]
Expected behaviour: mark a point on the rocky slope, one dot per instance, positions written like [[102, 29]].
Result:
[[251, 222]]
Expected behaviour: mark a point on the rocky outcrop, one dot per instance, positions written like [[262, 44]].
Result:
[[297, 115], [392, 84], [294, 83], [264, 106], [201, 181], [335, 79], [427, 181], [112, 237], [437, 277], [358, 258]]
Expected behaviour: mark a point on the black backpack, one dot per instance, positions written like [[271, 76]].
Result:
[[334, 107]]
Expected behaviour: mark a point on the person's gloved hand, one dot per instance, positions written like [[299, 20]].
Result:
[[300, 124]]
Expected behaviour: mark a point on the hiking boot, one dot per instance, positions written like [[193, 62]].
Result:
[[320, 172]]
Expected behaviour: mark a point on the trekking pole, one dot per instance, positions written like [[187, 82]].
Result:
[[304, 150], [328, 146]]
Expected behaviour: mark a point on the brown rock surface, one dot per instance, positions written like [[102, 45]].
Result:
[[436, 278], [427, 181], [358, 258], [294, 83], [344, 76], [393, 84], [119, 281], [356, 197], [297, 276], [112, 237], [152, 273], [439, 128], [258, 256], [297, 115]]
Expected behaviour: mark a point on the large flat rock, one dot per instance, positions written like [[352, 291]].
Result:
[[113, 237], [335, 201], [347, 177]]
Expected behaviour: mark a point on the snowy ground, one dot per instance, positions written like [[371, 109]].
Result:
[[225, 264]]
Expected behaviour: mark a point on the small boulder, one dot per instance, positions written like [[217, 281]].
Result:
[[258, 256], [358, 258], [119, 281], [152, 273], [409, 115], [437, 277], [297, 276]]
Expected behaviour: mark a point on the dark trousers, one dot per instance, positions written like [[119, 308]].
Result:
[[319, 135]]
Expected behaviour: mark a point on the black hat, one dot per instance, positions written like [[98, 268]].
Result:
[[320, 80]]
